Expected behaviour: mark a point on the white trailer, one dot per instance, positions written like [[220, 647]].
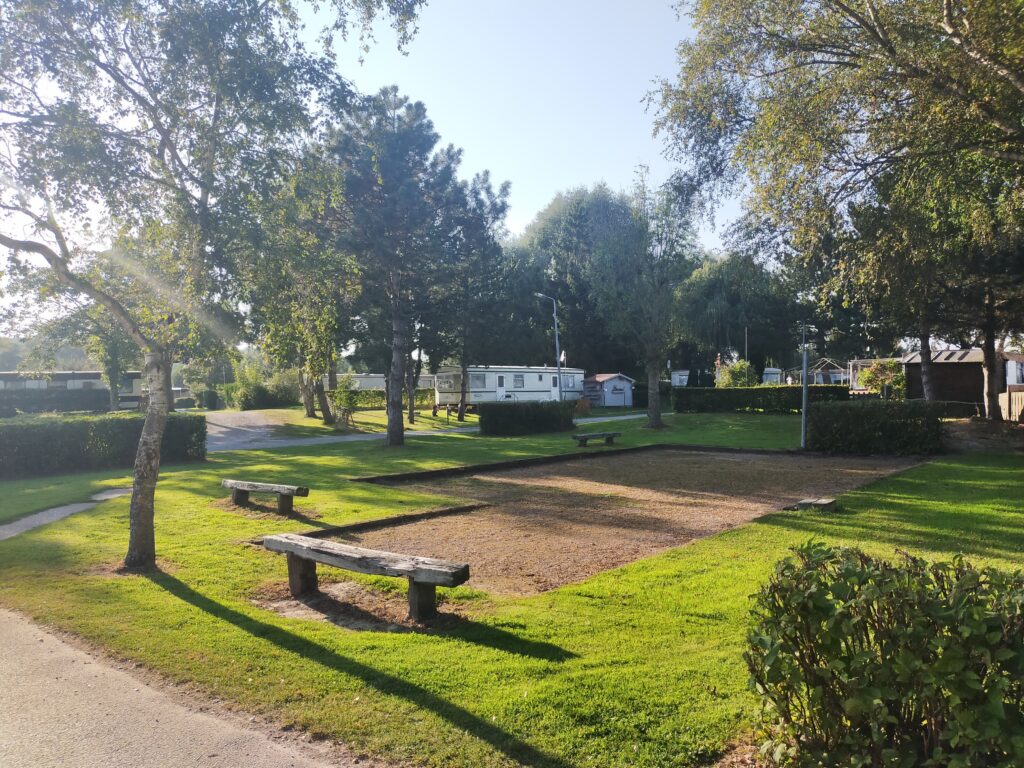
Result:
[[506, 383]]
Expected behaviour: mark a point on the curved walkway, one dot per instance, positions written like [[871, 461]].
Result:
[[62, 708], [53, 514]]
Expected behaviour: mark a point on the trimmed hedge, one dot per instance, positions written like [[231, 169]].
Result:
[[875, 426], [55, 400], [525, 418], [185, 402], [49, 445], [641, 396], [771, 398], [860, 662], [374, 399]]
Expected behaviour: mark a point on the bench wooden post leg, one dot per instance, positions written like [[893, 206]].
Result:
[[301, 576], [285, 503], [422, 600], [238, 496]]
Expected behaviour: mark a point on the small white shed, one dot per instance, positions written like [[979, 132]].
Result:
[[609, 389]]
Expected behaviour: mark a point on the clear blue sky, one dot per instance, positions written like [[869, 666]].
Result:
[[547, 94]]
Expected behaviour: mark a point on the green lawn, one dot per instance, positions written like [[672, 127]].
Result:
[[640, 666], [295, 423]]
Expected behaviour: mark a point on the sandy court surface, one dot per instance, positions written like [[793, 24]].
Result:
[[562, 523]]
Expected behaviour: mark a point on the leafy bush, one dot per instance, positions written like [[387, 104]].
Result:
[[862, 663], [640, 396], [738, 374], [47, 445], [374, 399], [55, 400], [769, 398], [185, 402], [875, 426], [208, 399], [885, 377], [583, 406], [512, 418], [8, 411], [284, 387]]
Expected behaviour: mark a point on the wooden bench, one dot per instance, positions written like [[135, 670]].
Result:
[[240, 490], [425, 574], [608, 437]]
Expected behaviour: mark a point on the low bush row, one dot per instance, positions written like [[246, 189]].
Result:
[[55, 400], [512, 418], [862, 663], [375, 399], [875, 426], [48, 445], [641, 394], [782, 398]]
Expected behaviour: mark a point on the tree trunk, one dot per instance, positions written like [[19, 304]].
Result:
[[115, 398], [396, 377], [141, 538], [332, 373], [306, 392], [654, 395], [993, 362], [927, 371], [326, 412]]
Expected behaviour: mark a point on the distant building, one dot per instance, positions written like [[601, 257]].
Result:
[[680, 378], [129, 393], [375, 381], [500, 383], [959, 376], [771, 376], [609, 389]]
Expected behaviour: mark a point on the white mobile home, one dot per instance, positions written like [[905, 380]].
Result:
[[500, 383], [609, 389]]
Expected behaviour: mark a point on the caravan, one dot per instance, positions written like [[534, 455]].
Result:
[[511, 383]]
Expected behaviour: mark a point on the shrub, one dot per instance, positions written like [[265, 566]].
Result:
[[770, 398], [583, 406], [255, 397], [375, 399], [885, 377], [640, 398], [512, 418], [208, 399], [861, 663], [738, 374], [8, 411], [55, 400], [47, 445], [185, 402], [284, 388], [875, 426]]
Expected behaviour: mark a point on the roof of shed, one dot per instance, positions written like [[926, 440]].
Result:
[[601, 378], [948, 356]]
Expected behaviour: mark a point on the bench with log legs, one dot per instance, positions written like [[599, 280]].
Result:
[[608, 437], [240, 490], [425, 574]]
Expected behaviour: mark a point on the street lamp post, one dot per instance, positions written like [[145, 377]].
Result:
[[805, 392], [558, 349]]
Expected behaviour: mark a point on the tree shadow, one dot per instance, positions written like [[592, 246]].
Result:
[[352, 616], [383, 682]]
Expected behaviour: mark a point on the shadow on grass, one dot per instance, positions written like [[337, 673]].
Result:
[[500, 740], [351, 616]]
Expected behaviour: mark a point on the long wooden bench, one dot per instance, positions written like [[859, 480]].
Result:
[[240, 490], [425, 574], [608, 437]]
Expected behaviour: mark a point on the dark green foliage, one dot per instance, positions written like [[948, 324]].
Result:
[[56, 400], [640, 394], [374, 399], [525, 418], [875, 426], [208, 399], [185, 402], [862, 663], [43, 445], [767, 399], [255, 397]]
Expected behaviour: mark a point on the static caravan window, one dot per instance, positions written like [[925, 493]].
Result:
[[569, 382], [501, 381], [540, 377], [518, 380], [554, 381], [477, 380]]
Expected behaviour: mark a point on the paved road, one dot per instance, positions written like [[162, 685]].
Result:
[[252, 430], [61, 707]]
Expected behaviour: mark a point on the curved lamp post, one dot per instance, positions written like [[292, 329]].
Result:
[[558, 350]]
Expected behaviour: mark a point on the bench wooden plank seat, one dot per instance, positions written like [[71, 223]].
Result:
[[425, 574], [240, 490], [608, 437]]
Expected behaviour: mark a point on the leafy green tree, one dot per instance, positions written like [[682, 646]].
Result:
[[165, 117], [885, 377], [395, 181], [738, 374], [637, 272]]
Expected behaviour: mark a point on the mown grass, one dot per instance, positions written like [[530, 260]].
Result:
[[639, 666], [293, 422]]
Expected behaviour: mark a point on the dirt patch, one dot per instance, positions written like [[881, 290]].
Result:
[[741, 757], [979, 435], [351, 605], [552, 525]]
